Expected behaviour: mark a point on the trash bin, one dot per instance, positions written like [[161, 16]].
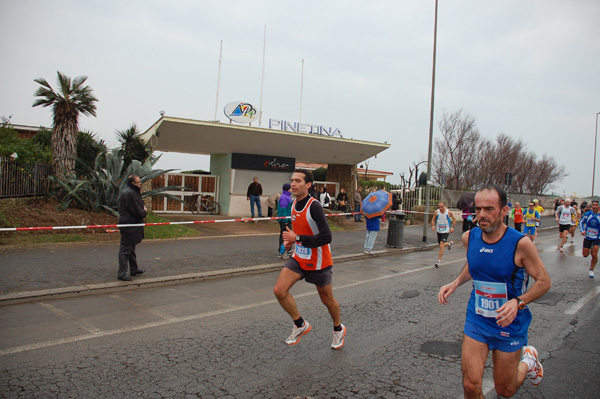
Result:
[[395, 238]]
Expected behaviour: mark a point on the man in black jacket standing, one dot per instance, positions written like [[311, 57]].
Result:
[[131, 211], [253, 195]]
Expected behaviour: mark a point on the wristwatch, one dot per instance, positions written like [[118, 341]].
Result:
[[521, 304], [297, 238]]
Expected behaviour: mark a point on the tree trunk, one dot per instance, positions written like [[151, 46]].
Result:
[[64, 146]]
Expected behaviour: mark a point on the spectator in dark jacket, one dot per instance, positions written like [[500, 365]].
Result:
[[131, 211], [396, 202], [253, 195], [312, 191]]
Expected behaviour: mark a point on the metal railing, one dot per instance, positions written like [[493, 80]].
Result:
[[414, 197], [18, 179]]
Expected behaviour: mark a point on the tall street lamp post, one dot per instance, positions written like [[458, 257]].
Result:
[[427, 189], [595, 142]]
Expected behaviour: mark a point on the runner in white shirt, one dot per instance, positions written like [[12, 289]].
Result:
[[443, 223], [564, 216]]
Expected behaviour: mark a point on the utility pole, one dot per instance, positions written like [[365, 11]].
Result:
[[427, 189]]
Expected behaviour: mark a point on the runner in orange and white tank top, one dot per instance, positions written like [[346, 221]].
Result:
[[303, 224], [311, 260]]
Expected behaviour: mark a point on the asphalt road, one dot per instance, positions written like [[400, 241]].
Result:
[[66, 265], [224, 338]]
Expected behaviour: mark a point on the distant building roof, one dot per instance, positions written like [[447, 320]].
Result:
[[26, 131], [201, 137], [371, 174]]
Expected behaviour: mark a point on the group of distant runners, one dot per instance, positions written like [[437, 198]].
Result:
[[568, 217]]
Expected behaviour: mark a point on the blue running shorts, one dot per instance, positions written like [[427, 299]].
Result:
[[529, 230], [493, 339]]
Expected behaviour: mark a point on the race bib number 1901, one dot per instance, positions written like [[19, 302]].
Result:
[[489, 297]]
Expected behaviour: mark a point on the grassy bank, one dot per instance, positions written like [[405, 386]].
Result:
[[43, 212]]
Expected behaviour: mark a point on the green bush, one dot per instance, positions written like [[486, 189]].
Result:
[[369, 185], [29, 151], [320, 174]]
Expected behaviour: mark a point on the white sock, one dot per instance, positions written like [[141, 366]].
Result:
[[529, 361]]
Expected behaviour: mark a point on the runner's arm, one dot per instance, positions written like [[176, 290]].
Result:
[[583, 223], [527, 256], [462, 278], [323, 237]]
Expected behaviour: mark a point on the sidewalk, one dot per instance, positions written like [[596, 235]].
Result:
[[66, 270]]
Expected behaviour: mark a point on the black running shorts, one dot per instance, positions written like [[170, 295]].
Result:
[[320, 278]]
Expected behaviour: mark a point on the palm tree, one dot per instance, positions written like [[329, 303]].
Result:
[[88, 149], [134, 148], [67, 103]]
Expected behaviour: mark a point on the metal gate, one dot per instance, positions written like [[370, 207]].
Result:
[[18, 179], [205, 185]]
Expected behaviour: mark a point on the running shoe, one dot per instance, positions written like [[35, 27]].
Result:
[[450, 246], [437, 263], [561, 249], [280, 256], [535, 373], [591, 273], [294, 337], [338, 338]]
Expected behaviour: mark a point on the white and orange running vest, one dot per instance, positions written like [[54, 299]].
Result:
[[303, 224]]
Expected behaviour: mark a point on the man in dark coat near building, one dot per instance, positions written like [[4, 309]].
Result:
[[131, 211], [253, 195]]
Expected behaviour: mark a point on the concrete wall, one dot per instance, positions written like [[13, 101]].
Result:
[[220, 165], [233, 185]]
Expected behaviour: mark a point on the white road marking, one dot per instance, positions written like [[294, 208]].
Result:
[[66, 315], [95, 333], [145, 308], [583, 301]]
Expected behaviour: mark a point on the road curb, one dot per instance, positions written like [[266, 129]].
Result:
[[150, 282]]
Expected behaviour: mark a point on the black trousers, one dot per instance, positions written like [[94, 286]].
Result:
[[282, 226], [519, 227], [127, 257]]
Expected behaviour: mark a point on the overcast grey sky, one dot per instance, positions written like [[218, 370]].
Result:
[[529, 69]]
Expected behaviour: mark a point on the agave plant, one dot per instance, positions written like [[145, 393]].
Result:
[[99, 188]]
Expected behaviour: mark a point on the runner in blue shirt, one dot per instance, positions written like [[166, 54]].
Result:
[[499, 261], [590, 229]]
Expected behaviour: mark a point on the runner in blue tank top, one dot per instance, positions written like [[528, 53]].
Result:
[[590, 229], [499, 261]]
